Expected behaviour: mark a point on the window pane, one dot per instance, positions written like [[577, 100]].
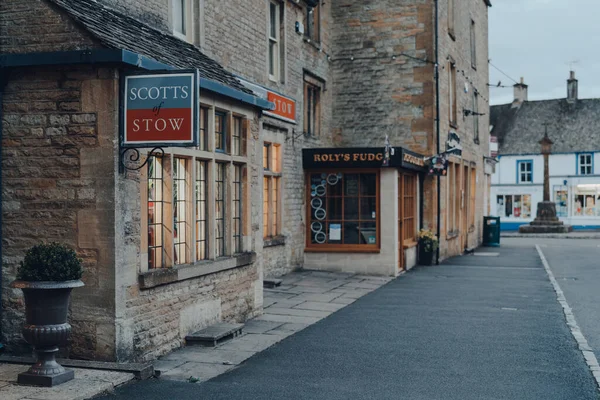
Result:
[[368, 233], [266, 232], [220, 211], [351, 233], [351, 185], [368, 208], [201, 212], [274, 205], [351, 208], [368, 184], [237, 208], [179, 211], [273, 20], [266, 147], [237, 135], [155, 213], [334, 207], [272, 52], [179, 16], [203, 128], [220, 131]]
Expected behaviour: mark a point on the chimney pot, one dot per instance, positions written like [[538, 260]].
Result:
[[520, 91]]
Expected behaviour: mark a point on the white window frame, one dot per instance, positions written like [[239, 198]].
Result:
[[524, 173], [586, 165], [275, 41], [187, 10]]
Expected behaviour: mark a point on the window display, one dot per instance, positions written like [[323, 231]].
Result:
[[343, 209], [513, 206], [586, 200], [561, 196]]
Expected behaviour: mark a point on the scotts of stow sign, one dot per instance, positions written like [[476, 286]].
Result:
[[160, 109]]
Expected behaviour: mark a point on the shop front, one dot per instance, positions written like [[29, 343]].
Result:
[[362, 209]]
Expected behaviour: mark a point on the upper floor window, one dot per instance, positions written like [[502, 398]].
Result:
[[220, 131], [473, 46], [475, 117], [181, 14], [586, 164], [276, 51], [313, 23], [525, 171], [451, 18], [312, 105], [452, 106]]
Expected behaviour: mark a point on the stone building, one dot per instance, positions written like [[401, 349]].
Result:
[[292, 167], [517, 183]]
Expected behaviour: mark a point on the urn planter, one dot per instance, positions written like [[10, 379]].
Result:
[[46, 328]]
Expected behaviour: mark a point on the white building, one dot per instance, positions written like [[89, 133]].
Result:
[[574, 166]]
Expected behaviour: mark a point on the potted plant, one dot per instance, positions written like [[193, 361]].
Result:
[[428, 244], [47, 275]]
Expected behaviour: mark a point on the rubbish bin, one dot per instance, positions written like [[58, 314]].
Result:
[[491, 231]]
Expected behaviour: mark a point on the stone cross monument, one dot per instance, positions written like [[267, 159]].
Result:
[[546, 220]]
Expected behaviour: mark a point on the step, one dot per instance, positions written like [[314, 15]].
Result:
[[215, 334], [271, 283]]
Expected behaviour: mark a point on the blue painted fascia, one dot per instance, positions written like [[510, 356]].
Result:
[[577, 171], [519, 162], [119, 56]]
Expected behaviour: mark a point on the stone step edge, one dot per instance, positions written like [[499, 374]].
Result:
[[222, 332], [271, 283], [139, 370]]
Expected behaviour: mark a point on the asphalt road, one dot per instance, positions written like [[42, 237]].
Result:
[[474, 328], [576, 267]]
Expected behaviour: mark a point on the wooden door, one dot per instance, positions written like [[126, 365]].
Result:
[[464, 207], [400, 221]]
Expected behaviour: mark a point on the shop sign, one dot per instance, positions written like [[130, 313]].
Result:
[[453, 145], [350, 158], [160, 109], [284, 108], [438, 166], [413, 161]]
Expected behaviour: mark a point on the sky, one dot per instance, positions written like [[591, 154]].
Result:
[[541, 41]]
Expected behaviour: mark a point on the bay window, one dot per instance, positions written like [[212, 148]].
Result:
[[343, 210]]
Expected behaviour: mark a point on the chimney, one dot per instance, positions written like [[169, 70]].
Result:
[[572, 88], [520, 90]]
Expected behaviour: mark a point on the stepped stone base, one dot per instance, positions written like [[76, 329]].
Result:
[[546, 221]]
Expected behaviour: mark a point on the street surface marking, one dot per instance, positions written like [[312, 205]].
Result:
[[487, 254], [509, 309], [586, 350]]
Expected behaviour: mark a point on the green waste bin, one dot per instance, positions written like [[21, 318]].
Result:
[[491, 231]]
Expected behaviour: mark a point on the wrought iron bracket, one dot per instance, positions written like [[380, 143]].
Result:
[[135, 155]]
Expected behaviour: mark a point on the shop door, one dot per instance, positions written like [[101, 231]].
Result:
[[464, 205], [400, 221]]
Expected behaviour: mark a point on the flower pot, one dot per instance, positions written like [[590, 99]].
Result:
[[425, 257], [46, 328]]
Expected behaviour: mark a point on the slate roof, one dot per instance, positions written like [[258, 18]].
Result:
[[573, 127], [118, 31]]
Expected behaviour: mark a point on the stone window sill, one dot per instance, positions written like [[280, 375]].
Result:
[[274, 241], [165, 276], [409, 244]]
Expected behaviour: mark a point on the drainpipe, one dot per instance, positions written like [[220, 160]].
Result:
[[437, 123], [3, 81]]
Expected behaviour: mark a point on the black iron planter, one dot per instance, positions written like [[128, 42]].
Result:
[[46, 328], [425, 257]]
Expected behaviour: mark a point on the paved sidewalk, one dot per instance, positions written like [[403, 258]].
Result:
[[572, 235], [87, 383], [303, 299]]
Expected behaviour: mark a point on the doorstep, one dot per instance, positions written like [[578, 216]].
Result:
[[86, 384], [302, 299]]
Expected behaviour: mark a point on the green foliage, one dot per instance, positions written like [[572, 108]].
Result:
[[428, 240], [50, 262]]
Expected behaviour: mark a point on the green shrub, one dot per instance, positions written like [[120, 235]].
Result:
[[50, 262]]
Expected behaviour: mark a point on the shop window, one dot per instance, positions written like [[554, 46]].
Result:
[[343, 211], [276, 43], [513, 206], [409, 203], [586, 200], [201, 210], [312, 106], [156, 231], [454, 195], [271, 190], [220, 131], [561, 198], [586, 164], [473, 45], [452, 106], [181, 221], [313, 23], [220, 181], [525, 171], [237, 208], [181, 14]]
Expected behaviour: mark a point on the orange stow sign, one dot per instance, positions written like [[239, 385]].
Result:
[[285, 108]]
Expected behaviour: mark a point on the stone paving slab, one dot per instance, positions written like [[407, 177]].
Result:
[[302, 299], [87, 383]]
